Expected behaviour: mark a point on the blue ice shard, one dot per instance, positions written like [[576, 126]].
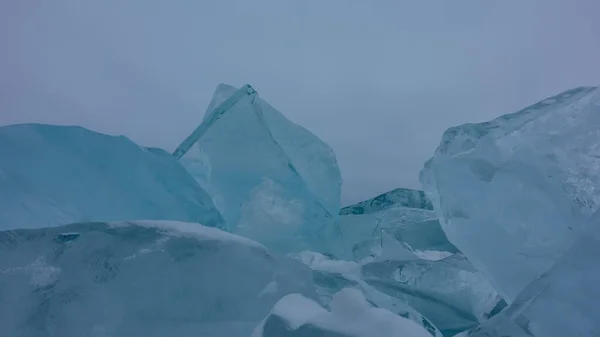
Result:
[[563, 301], [53, 175], [140, 279], [399, 197], [448, 294], [399, 224], [511, 193], [272, 180], [330, 276]]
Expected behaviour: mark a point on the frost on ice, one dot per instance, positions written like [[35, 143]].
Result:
[[272, 180], [150, 279], [512, 193]]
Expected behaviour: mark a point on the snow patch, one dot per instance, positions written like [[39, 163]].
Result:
[[40, 273], [295, 309], [350, 314], [320, 262], [270, 288], [158, 246], [188, 229], [431, 255]]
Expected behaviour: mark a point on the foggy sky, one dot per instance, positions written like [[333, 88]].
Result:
[[379, 81]]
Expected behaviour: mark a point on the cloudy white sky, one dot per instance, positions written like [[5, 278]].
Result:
[[377, 80]]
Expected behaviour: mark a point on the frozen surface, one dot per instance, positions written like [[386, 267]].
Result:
[[449, 292], [146, 279], [511, 193], [350, 315], [330, 276], [400, 197], [272, 180], [399, 224], [52, 175], [563, 302]]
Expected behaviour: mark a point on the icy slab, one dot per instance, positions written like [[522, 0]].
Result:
[[52, 175], [563, 302], [272, 180], [140, 279], [399, 224], [400, 197], [350, 315], [449, 292], [330, 276], [511, 193]]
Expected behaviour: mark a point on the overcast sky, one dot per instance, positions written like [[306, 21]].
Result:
[[377, 80]]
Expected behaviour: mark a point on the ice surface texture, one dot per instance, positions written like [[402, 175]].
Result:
[[330, 276], [511, 193], [399, 224], [563, 302], [146, 279], [272, 180], [449, 293], [400, 197], [350, 316], [52, 175]]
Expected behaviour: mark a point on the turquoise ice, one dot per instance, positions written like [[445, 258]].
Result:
[[563, 301], [140, 279], [511, 193], [444, 296], [449, 292], [272, 180], [53, 175], [330, 276], [516, 195], [399, 197], [399, 224]]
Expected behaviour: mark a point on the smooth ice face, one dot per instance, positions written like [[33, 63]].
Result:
[[140, 279], [449, 292], [272, 180], [563, 302], [330, 276], [399, 224], [350, 315], [52, 175], [511, 193]]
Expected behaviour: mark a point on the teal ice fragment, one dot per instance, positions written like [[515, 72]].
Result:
[[272, 180], [399, 224], [400, 197], [511, 193], [563, 301], [54, 175], [449, 292]]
